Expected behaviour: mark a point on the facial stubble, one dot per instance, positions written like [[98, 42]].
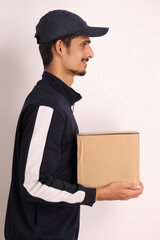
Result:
[[76, 72]]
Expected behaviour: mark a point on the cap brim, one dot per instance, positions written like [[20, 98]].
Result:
[[92, 31]]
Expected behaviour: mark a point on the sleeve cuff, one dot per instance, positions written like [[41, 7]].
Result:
[[90, 194]]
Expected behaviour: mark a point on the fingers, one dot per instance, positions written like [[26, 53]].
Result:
[[128, 190], [141, 184], [121, 191], [134, 192], [131, 186], [128, 194]]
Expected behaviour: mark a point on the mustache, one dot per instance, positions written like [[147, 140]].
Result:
[[85, 59]]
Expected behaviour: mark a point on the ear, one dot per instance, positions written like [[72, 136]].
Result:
[[59, 47]]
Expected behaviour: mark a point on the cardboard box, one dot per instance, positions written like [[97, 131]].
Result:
[[108, 157]]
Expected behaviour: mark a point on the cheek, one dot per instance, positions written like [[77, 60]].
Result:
[[75, 60], [76, 54]]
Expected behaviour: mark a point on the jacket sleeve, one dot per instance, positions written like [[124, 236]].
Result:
[[40, 154]]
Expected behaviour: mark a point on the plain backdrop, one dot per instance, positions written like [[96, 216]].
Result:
[[120, 93]]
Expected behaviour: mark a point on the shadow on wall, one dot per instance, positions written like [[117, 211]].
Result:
[[13, 77]]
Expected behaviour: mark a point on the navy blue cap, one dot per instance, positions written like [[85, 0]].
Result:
[[58, 23]]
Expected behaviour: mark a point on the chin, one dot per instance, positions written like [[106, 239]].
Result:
[[79, 73]]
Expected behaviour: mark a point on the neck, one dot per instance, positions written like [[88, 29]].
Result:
[[57, 71]]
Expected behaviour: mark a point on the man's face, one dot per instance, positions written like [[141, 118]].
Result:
[[77, 55]]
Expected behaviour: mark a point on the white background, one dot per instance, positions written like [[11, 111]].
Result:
[[120, 92]]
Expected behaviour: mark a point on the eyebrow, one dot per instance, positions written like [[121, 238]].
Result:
[[87, 41]]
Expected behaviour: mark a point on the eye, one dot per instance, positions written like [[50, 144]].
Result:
[[83, 44]]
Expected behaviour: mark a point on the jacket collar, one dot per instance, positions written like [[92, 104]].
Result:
[[68, 92]]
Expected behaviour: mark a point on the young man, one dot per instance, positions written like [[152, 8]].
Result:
[[45, 199]]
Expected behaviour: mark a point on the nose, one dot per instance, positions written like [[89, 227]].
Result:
[[90, 53]]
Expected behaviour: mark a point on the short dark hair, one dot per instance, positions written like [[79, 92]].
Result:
[[45, 48]]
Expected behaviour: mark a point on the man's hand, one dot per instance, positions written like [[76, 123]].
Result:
[[119, 191]]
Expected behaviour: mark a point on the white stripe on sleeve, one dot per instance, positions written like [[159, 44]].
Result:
[[34, 160]]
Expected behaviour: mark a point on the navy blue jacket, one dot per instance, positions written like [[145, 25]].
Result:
[[44, 200]]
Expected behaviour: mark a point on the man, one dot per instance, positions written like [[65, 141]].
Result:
[[45, 199]]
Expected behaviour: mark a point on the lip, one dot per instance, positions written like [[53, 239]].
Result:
[[85, 62]]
